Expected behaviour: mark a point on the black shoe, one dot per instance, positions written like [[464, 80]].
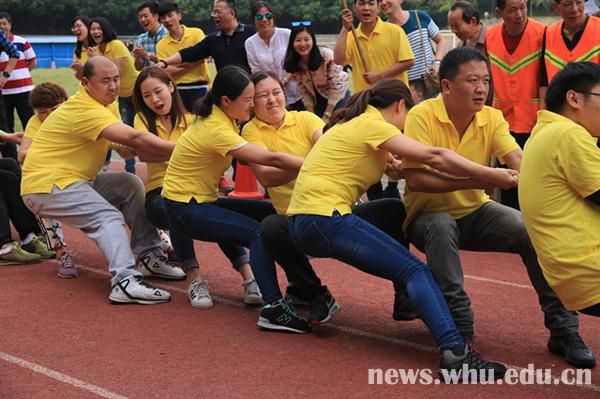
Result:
[[466, 364], [403, 310], [573, 349], [322, 307], [282, 316], [295, 296]]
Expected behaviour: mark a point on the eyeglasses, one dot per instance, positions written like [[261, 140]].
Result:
[[303, 23], [587, 92], [268, 16]]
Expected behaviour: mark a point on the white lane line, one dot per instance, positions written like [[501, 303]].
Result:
[[64, 378], [499, 282], [352, 330]]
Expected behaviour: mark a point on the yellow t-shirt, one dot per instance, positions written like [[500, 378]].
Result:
[[157, 170], [32, 126], [487, 135], [84, 57], [386, 46], [200, 159], [68, 148], [342, 165], [115, 50], [294, 137], [560, 167], [168, 46]]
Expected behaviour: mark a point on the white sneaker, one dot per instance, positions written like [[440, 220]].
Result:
[[133, 289], [252, 294], [198, 295], [157, 265]]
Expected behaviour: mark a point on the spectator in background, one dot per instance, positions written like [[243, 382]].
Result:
[[80, 28], [103, 41], [191, 77], [225, 46], [420, 30], [322, 84], [266, 50], [9, 56], [465, 22], [591, 7], [15, 91], [144, 51]]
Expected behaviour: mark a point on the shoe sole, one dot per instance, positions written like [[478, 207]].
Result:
[[333, 310], [253, 300], [146, 273], [557, 350], [202, 306], [67, 276], [137, 300], [265, 323]]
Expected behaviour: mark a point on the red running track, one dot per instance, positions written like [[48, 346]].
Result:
[[62, 339]]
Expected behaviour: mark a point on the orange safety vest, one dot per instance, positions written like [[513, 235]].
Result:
[[557, 55], [516, 76]]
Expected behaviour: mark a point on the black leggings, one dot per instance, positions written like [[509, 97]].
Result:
[[20, 102]]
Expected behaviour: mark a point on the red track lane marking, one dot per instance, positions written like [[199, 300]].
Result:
[[64, 378]]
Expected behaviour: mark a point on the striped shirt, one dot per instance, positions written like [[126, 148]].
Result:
[[20, 79], [149, 43], [423, 59]]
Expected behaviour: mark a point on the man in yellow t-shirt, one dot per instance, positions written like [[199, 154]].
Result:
[[191, 77], [61, 181], [560, 187], [445, 214], [384, 46]]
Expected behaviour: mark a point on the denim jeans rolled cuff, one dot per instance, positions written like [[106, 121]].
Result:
[[354, 241], [240, 261]]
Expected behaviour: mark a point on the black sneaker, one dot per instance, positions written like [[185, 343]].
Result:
[[322, 307], [466, 364], [573, 349], [282, 316], [403, 310], [294, 296]]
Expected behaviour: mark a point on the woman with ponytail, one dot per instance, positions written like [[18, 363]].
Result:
[[191, 186], [350, 157]]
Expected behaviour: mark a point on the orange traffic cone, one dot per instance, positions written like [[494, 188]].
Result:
[[245, 184]]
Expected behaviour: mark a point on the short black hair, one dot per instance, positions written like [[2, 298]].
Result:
[[291, 61], [166, 7], [151, 5], [6, 16], [231, 81], [469, 10], [451, 63], [500, 4], [576, 76]]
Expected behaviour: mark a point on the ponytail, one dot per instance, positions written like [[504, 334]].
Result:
[[203, 107], [383, 94]]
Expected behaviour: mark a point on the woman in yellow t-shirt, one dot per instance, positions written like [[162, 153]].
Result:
[[161, 112], [80, 28], [103, 40], [350, 157], [191, 185], [296, 133]]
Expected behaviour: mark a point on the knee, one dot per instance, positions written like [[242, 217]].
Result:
[[434, 227], [273, 226]]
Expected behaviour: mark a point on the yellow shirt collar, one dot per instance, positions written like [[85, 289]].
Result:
[[377, 30], [220, 116], [288, 120]]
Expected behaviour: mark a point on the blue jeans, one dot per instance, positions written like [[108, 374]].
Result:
[[354, 241], [231, 222]]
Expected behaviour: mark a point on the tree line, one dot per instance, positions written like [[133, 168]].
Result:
[[53, 17]]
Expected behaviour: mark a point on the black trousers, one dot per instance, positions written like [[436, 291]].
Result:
[[20, 102], [12, 208]]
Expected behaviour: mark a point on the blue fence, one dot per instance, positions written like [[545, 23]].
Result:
[[53, 51]]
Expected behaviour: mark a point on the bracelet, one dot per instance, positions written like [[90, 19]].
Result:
[[437, 61], [327, 114], [164, 62]]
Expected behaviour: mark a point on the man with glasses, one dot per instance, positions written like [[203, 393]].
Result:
[[575, 38], [225, 46], [561, 199]]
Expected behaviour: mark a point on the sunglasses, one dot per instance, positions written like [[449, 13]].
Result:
[[268, 16], [303, 23]]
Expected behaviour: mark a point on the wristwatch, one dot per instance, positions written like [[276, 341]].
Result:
[[6, 74]]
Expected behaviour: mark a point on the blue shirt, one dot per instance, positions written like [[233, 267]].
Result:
[[149, 43], [423, 56]]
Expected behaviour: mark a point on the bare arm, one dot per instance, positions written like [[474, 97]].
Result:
[[31, 64], [398, 67], [513, 159], [174, 59], [10, 66], [440, 48], [431, 181], [542, 92], [149, 147], [23, 148], [269, 176], [251, 153], [339, 52], [447, 161]]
